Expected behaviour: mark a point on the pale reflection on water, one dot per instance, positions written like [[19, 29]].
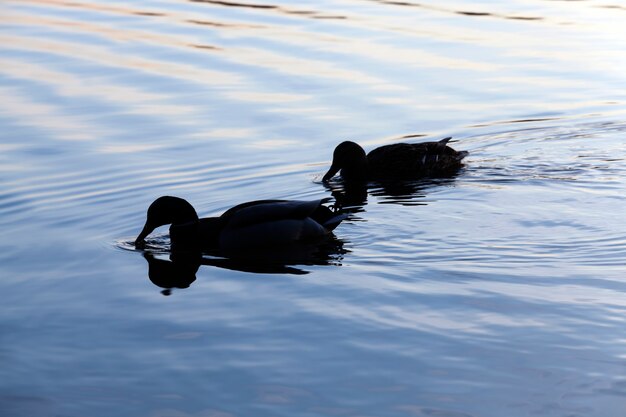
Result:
[[498, 292]]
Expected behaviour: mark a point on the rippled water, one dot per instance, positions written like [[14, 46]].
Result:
[[499, 292]]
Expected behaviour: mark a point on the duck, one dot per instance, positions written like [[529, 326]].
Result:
[[255, 224], [397, 161]]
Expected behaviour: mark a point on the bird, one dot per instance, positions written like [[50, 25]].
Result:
[[395, 162], [255, 224]]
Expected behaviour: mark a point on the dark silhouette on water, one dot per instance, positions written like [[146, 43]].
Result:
[[178, 272], [181, 268], [246, 228], [395, 162], [268, 236], [352, 196]]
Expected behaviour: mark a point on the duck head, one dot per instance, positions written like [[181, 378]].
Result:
[[350, 158], [166, 210]]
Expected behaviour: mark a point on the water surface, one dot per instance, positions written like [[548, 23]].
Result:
[[499, 292]]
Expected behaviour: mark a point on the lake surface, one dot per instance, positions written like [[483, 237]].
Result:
[[500, 292]]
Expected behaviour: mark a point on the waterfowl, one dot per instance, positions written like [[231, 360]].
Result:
[[396, 161], [250, 225]]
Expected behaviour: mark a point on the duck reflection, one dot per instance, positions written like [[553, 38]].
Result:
[[179, 271], [352, 196]]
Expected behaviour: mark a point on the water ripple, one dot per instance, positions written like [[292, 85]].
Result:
[[507, 279]]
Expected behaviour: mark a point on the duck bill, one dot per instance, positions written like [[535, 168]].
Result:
[[140, 241], [331, 173]]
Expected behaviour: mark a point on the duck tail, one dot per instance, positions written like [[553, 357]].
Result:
[[461, 154], [334, 221], [443, 142]]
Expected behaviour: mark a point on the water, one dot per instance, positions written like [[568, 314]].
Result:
[[499, 292]]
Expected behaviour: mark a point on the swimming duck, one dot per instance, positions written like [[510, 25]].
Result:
[[397, 161], [249, 225]]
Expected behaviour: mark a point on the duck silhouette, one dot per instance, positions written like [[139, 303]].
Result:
[[249, 226], [178, 271], [395, 162]]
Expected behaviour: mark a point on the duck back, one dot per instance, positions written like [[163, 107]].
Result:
[[262, 211], [413, 160]]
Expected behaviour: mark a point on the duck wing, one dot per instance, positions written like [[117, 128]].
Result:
[[270, 223], [412, 160]]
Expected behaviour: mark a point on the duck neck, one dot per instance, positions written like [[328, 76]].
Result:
[[184, 235], [201, 233], [356, 170]]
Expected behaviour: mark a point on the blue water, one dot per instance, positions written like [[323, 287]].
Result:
[[499, 292]]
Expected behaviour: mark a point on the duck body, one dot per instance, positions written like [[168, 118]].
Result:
[[395, 162], [249, 225]]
